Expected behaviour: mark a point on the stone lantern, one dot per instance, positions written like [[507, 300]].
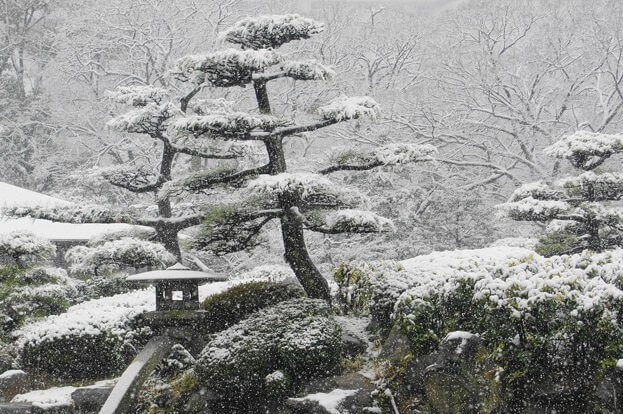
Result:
[[177, 288]]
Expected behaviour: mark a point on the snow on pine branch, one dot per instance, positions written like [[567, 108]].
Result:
[[345, 108], [225, 124], [208, 106], [585, 149], [224, 68], [307, 70], [149, 119], [357, 221], [71, 214], [394, 154], [314, 190], [595, 187], [538, 190], [132, 177], [271, 31], [303, 184], [600, 213], [137, 95], [195, 182], [530, 209]]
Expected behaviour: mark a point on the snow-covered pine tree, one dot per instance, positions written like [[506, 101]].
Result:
[[299, 201], [581, 211], [153, 110], [190, 125]]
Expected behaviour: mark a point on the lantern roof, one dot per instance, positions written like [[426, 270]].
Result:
[[175, 272]]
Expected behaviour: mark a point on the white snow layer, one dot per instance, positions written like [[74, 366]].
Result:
[[330, 401], [585, 142], [12, 196], [46, 399], [345, 108], [108, 314]]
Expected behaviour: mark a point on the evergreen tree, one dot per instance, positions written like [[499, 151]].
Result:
[[301, 201], [581, 210]]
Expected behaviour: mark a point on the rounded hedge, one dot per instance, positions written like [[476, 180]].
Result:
[[296, 337], [230, 307]]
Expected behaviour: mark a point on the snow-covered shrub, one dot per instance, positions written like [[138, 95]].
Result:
[[371, 288], [91, 340], [107, 285], [297, 337], [118, 254], [238, 302], [267, 273], [374, 287], [35, 292], [23, 248], [94, 338], [178, 360], [543, 321]]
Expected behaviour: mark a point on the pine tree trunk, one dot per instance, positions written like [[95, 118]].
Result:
[[296, 254], [167, 234]]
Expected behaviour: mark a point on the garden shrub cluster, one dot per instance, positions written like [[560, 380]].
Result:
[[544, 323], [238, 302], [24, 249], [296, 337], [93, 339], [36, 292], [373, 288]]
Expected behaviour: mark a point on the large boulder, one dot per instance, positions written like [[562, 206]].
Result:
[[90, 399], [13, 382]]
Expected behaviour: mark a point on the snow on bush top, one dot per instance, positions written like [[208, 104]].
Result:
[[584, 144], [25, 247], [270, 273], [585, 280], [145, 119], [345, 108], [116, 254], [271, 31], [224, 124], [224, 68], [376, 286], [111, 314], [307, 70], [137, 95], [359, 221]]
